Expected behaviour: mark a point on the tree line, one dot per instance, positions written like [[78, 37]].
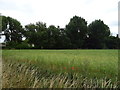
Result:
[[76, 35]]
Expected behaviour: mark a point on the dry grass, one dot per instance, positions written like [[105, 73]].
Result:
[[20, 75]]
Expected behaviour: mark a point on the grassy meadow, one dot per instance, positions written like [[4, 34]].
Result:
[[60, 68]]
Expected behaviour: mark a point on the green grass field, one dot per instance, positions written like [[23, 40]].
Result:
[[60, 68]]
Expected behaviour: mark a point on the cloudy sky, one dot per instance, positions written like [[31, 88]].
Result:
[[59, 12]]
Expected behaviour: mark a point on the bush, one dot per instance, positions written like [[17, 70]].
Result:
[[22, 45]]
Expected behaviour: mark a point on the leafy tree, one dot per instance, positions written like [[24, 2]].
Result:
[[36, 34], [98, 33], [76, 35], [112, 42], [53, 34], [30, 33], [76, 30], [57, 38], [63, 41], [4, 23], [4, 27], [12, 29]]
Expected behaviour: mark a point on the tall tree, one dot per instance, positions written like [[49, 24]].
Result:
[[36, 34], [57, 38], [53, 35], [63, 41], [30, 33], [12, 29], [112, 42], [76, 30], [98, 33]]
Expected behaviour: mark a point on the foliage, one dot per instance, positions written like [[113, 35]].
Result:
[[76, 35], [98, 32], [113, 42], [12, 29], [76, 30], [22, 45], [36, 34]]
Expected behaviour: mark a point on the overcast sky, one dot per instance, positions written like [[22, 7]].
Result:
[[59, 12]]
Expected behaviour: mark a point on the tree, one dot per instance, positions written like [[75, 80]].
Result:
[[53, 34], [12, 29], [57, 38], [112, 42], [30, 33], [98, 32], [4, 23], [76, 30], [36, 34], [63, 41]]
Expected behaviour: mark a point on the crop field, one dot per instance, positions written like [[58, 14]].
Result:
[[60, 68]]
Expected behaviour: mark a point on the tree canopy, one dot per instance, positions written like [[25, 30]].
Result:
[[12, 29], [76, 30], [76, 35], [98, 33]]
